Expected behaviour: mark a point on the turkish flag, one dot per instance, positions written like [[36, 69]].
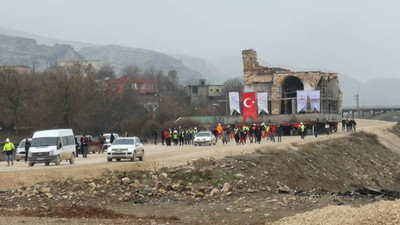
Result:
[[249, 105]]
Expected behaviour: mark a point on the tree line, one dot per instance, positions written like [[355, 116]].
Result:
[[64, 97]]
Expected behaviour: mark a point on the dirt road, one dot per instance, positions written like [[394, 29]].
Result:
[[157, 156]]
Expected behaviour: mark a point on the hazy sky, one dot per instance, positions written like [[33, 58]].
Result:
[[359, 38]]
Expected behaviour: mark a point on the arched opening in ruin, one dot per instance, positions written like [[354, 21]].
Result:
[[289, 88]]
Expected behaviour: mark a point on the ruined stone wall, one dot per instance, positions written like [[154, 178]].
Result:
[[258, 78], [309, 79]]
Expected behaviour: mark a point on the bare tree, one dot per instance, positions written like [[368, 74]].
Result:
[[132, 71], [105, 71], [233, 85], [15, 89], [67, 98], [152, 73]]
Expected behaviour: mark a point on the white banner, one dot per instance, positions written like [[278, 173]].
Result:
[[301, 101], [315, 100], [234, 102], [262, 102]]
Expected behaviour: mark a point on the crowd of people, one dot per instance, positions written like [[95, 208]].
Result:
[[241, 134], [348, 124], [249, 133], [176, 136]]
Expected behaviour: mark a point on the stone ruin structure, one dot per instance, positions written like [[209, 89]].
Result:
[[282, 84]]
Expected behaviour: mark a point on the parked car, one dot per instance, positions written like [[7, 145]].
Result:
[[107, 136], [204, 138], [125, 148], [20, 153], [52, 146]]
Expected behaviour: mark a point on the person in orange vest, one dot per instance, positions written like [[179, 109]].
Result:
[[219, 131]]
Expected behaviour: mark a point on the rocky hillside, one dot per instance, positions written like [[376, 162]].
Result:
[[119, 56], [42, 40], [26, 52]]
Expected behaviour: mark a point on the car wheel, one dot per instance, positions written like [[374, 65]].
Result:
[[17, 160], [72, 159], [58, 161], [118, 160], [195, 145], [141, 158], [133, 156], [47, 163], [31, 164], [109, 159]]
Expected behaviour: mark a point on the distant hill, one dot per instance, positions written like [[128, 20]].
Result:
[[41, 40], [120, 56], [206, 68], [26, 52]]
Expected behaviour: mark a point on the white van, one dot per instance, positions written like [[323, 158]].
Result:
[[52, 146]]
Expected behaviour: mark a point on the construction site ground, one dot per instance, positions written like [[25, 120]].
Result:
[[344, 178]]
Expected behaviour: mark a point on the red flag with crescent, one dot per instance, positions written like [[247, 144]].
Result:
[[249, 105]]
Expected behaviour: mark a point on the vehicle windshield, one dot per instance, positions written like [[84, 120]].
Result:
[[22, 144], [203, 134], [124, 142], [44, 141], [107, 136]]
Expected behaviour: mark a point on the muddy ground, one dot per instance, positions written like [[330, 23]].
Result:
[[269, 185]]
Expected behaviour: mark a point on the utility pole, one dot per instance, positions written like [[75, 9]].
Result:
[[357, 96]]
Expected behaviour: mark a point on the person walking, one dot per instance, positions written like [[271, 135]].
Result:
[[215, 133], [112, 138], [258, 134], [279, 133], [8, 149], [272, 133], [327, 128], [167, 135], [225, 137], [343, 124], [181, 133], [155, 134], [102, 140], [302, 130], [353, 123], [76, 147], [27, 146], [219, 131], [315, 130], [175, 137], [162, 136], [237, 135], [84, 146]]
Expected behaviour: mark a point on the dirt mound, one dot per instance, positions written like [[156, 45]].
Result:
[[377, 213], [336, 165]]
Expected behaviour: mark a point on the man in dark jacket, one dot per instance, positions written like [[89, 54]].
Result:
[[279, 132], [84, 145], [27, 146]]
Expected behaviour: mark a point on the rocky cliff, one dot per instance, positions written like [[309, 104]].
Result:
[[26, 52], [120, 56]]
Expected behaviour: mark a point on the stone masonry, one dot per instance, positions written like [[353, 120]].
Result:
[[264, 79]]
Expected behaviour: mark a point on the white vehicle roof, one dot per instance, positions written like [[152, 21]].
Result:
[[53, 133]]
